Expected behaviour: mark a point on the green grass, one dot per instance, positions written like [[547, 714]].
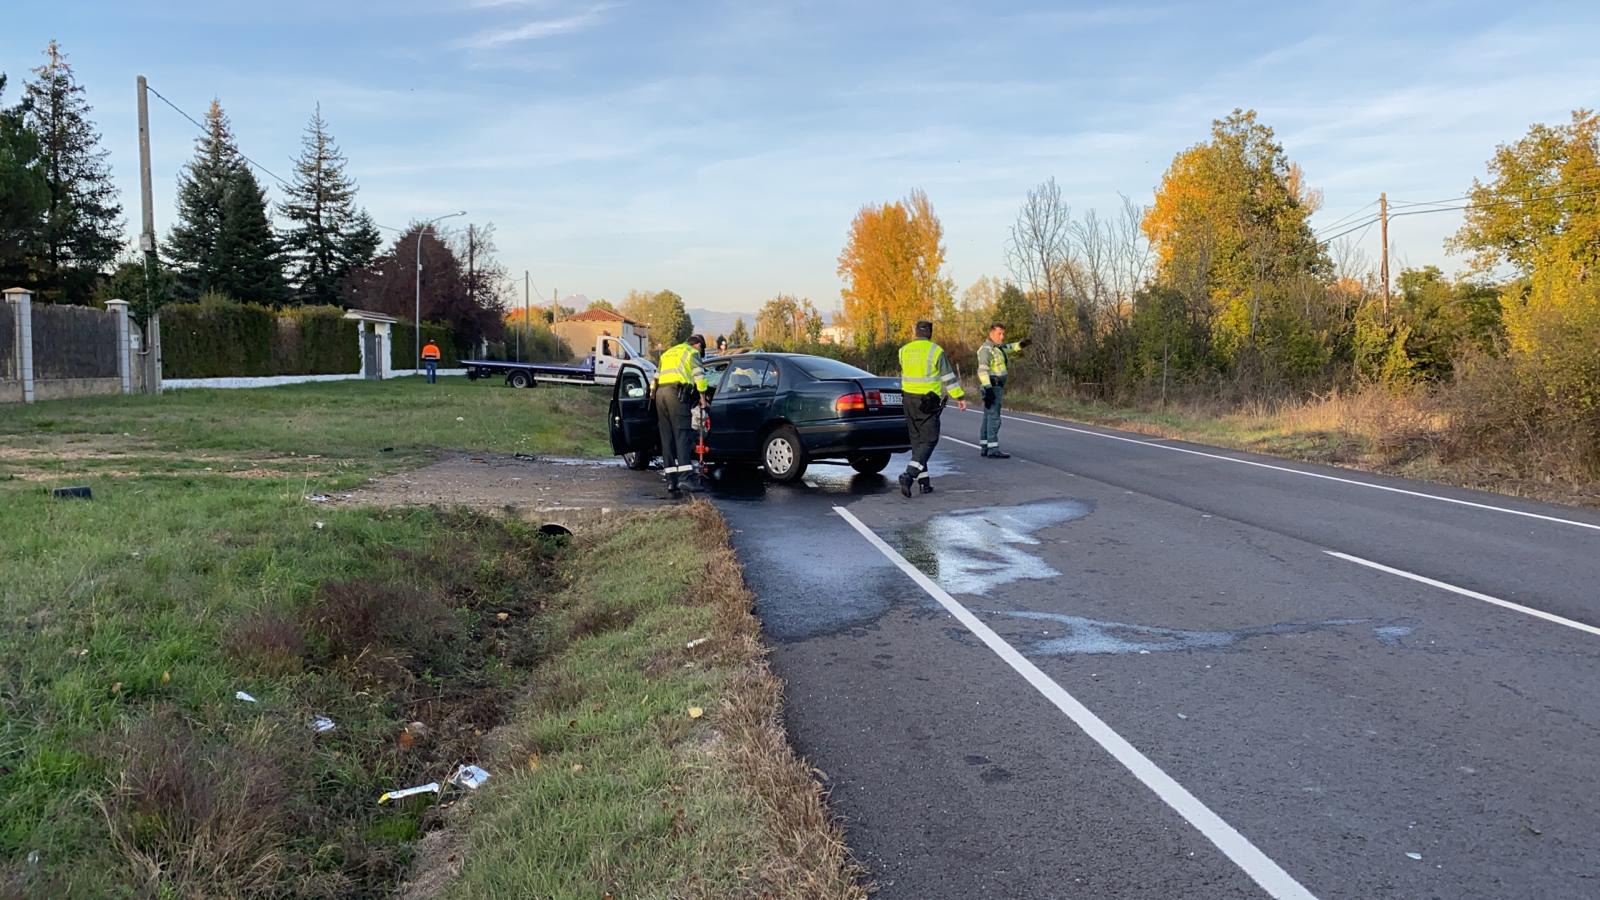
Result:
[[129, 621]]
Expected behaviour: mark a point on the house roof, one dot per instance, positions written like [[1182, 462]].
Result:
[[599, 314]]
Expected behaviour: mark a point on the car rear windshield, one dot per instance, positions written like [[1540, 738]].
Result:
[[824, 369]]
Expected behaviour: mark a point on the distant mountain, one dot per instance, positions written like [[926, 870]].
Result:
[[712, 322]]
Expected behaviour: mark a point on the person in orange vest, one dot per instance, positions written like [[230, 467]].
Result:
[[430, 361]]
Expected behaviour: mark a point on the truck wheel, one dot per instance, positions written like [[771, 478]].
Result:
[[783, 455], [870, 464], [519, 380], [636, 461]]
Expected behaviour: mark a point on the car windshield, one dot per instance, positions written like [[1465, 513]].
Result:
[[823, 369]]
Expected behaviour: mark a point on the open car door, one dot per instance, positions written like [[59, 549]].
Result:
[[634, 434]]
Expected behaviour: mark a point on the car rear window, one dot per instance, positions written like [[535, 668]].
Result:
[[822, 368]]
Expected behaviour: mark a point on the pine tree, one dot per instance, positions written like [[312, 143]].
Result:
[[740, 336], [223, 241], [24, 197], [327, 237], [82, 227]]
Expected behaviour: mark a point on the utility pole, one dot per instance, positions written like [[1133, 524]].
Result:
[[1383, 235], [527, 311], [149, 346]]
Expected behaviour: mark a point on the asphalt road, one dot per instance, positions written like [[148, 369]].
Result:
[[1115, 666]]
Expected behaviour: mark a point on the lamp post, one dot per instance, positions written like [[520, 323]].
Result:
[[416, 321]]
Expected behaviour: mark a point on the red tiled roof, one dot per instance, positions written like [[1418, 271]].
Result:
[[599, 314]]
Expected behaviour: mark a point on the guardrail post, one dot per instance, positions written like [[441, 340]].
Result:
[[124, 360], [24, 303]]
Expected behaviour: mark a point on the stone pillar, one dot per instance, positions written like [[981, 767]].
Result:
[[385, 352], [124, 359], [23, 301]]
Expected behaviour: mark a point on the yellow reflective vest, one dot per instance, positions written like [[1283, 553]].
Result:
[[992, 360], [925, 369], [681, 365]]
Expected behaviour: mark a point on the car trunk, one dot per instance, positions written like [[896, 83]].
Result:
[[878, 396]]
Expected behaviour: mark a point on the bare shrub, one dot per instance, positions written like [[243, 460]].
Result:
[[271, 643]]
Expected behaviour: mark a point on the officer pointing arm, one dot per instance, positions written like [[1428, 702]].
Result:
[[993, 359]]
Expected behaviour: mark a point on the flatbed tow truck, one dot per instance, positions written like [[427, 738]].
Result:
[[599, 369]]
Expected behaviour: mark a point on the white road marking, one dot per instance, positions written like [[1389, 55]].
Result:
[[1366, 484], [1443, 586], [945, 437], [1266, 873]]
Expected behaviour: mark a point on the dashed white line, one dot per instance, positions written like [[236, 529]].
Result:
[[1445, 586], [1351, 481], [1266, 873]]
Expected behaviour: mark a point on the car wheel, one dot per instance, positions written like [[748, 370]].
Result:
[[636, 461], [520, 380], [871, 464], [783, 455]]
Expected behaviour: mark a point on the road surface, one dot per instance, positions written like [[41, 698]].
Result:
[[1118, 666]]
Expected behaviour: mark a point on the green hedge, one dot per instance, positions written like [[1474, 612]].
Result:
[[403, 348], [219, 338]]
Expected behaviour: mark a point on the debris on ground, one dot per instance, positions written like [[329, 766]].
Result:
[[1414, 855], [318, 498], [318, 525], [322, 724], [80, 492], [241, 695], [431, 787], [696, 712], [470, 777], [695, 643]]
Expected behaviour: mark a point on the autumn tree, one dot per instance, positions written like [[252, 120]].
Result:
[[82, 227], [787, 322], [663, 312], [388, 285], [893, 268], [602, 303], [1230, 227], [740, 336]]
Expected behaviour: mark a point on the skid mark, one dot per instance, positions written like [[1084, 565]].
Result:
[[974, 551]]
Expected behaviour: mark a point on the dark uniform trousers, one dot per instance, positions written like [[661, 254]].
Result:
[[922, 421], [674, 405]]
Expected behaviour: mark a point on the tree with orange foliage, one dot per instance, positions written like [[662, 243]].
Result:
[[892, 265]]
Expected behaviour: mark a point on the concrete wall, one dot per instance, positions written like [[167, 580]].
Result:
[[65, 351]]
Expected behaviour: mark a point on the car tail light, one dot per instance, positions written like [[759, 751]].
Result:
[[850, 402], [874, 398]]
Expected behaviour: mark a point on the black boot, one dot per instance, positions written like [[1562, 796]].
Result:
[[693, 484], [997, 453], [905, 483], [926, 485]]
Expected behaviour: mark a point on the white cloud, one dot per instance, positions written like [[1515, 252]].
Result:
[[537, 29]]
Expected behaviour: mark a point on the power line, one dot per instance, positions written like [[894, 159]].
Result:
[[1342, 219], [1509, 202], [1356, 227], [205, 130]]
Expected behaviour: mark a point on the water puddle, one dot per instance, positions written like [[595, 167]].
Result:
[[613, 462], [1083, 636], [975, 551]]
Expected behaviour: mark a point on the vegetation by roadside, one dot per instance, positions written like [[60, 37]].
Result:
[[1406, 433], [129, 766]]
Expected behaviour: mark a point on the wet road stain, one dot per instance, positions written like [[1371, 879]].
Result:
[[1096, 637], [974, 551]]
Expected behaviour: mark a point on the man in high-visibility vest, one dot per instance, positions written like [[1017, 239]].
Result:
[[680, 383], [926, 376], [430, 361], [993, 356]]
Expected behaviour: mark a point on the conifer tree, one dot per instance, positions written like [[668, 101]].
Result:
[[328, 236], [24, 197]]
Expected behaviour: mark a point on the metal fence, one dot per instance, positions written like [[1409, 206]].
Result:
[[74, 342]]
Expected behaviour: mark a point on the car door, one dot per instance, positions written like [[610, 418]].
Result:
[[609, 361], [744, 404], [633, 414]]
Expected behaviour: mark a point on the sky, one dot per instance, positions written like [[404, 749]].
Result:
[[720, 148]]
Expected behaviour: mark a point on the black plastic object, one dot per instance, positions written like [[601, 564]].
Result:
[[80, 492]]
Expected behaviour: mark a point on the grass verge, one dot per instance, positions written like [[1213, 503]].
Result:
[[1396, 433]]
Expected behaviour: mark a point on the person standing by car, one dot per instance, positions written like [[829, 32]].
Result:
[[926, 377], [430, 361], [680, 384], [993, 356]]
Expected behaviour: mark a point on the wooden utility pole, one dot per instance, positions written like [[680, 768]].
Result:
[[1383, 235], [150, 346], [527, 312]]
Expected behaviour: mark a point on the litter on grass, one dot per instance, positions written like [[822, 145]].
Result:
[[322, 724], [431, 787], [317, 525], [80, 492], [696, 642], [318, 498], [241, 695], [470, 777]]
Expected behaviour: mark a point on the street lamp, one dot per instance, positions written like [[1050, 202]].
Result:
[[416, 320]]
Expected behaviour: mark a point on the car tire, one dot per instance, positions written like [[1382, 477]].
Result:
[[871, 464], [636, 461], [519, 380], [783, 455]]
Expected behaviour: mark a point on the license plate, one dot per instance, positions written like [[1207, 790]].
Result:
[[890, 399]]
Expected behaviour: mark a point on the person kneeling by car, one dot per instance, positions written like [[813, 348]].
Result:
[[992, 358], [926, 376], [679, 386]]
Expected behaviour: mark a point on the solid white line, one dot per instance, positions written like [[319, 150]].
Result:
[[1272, 878], [1351, 481], [945, 437], [1443, 586]]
